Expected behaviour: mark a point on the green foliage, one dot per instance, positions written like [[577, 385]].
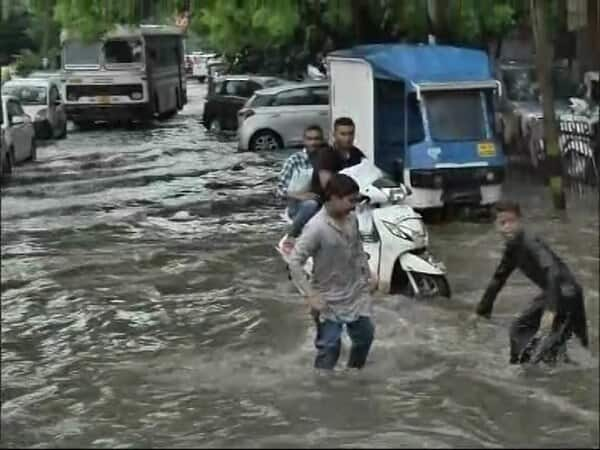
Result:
[[14, 37], [233, 25]]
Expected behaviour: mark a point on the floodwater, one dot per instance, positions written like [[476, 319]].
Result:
[[144, 305]]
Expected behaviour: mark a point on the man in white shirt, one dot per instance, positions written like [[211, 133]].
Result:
[[304, 204]]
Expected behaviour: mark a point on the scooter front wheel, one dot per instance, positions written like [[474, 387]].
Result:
[[430, 285]]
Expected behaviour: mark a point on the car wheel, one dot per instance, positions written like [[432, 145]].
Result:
[[214, 126], [33, 150], [7, 166], [63, 131], [265, 141], [83, 124]]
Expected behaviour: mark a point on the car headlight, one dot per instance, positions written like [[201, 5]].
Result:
[[137, 95]]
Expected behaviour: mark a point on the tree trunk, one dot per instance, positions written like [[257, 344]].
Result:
[[360, 18], [46, 33], [437, 15], [544, 63]]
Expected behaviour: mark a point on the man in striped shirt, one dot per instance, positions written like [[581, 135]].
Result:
[[301, 205]]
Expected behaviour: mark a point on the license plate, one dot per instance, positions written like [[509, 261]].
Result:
[[104, 100], [486, 149]]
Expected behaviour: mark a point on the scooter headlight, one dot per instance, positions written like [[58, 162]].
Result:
[[397, 231]]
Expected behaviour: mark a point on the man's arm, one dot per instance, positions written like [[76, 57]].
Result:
[[306, 246], [285, 177], [363, 258], [505, 268]]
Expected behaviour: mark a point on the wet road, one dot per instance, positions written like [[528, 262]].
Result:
[[143, 305]]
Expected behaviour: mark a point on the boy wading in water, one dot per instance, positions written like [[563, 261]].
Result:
[[561, 292], [339, 289]]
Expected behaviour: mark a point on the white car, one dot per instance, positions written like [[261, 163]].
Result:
[[40, 98], [18, 132], [276, 118], [5, 162]]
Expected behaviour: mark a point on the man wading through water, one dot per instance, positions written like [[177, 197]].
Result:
[[339, 289], [561, 292]]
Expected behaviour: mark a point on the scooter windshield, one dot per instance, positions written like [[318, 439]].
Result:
[[365, 173]]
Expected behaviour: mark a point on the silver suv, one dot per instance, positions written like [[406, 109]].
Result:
[[276, 118]]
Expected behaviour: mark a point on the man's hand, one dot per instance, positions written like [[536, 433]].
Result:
[[484, 310], [315, 302]]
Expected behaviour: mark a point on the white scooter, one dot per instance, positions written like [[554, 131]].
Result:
[[394, 237]]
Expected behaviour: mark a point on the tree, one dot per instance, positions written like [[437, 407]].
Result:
[[544, 58]]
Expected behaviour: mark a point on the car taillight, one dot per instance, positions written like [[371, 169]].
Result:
[[244, 114]]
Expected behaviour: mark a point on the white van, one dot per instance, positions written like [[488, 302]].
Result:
[[200, 65]]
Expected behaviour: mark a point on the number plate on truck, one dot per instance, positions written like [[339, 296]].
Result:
[[486, 149]]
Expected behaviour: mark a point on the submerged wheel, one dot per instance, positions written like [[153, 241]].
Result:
[[33, 150], [8, 163], [215, 126], [265, 141], [431, 285]]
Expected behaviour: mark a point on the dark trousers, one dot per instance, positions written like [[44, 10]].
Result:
[[329, 342], [301, 212], [569, 316]]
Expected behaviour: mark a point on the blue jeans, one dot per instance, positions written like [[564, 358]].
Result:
[[301, 212], [329, 342]]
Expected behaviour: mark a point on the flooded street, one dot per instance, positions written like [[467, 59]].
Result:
[[144, 305]]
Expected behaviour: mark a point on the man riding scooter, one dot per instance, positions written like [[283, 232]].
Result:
[[325, 161]]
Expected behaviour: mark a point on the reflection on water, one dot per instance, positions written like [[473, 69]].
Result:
[[143, 305]]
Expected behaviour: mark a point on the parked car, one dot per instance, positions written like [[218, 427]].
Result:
[[276, 118], [40, 98], [18, 130], [5, 161], [189, 64], [228, 95], [520, 105]]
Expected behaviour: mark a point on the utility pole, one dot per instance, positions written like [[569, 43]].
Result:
[[544, 57]]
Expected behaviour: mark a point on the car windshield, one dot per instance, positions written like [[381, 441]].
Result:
[[564, 88], [520, 84], [273, 82], [27, 95], [77, 53], [260, 100], [456, 115], [122, 51]]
